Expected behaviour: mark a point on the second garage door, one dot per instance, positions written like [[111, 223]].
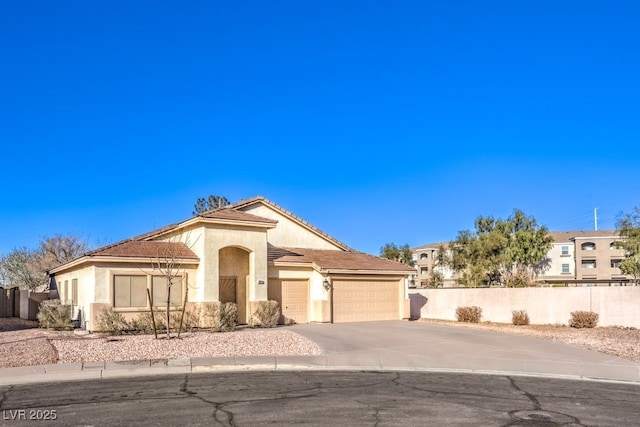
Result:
[[359, 300]]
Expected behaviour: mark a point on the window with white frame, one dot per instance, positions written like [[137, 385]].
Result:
[[565, 251], [424, 270], [615, 263], [566, 269], [424, 255]]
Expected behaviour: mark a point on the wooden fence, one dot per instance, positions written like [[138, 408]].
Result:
[[23, 304], [9, 302]]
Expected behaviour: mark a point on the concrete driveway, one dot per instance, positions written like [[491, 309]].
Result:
[[399, 345]]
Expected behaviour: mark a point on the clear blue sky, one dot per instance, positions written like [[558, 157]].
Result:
[[376, 121]]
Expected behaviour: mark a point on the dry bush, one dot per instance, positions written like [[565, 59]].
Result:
[[112, 322], [54, 315], [267, 314], [583, 319], [144, 324], [519, 317], [469, 314], [224, 317], [189, 321]]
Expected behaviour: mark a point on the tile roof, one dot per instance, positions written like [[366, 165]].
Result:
[[146, 249], [566, 236], [430, 246], [336, 259], [231, 214]]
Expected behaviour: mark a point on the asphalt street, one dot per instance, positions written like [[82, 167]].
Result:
[[322, 398]]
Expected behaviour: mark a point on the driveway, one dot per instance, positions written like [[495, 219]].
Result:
[[391, 345]]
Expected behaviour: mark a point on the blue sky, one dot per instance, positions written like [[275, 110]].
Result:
[[376, 121]]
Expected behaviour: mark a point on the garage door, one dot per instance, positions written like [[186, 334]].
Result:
[[358, 300], [293, 296]]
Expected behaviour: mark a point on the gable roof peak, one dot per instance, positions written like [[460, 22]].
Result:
[[264, 201]]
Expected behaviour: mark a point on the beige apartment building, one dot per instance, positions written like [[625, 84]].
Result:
[[576, 258]]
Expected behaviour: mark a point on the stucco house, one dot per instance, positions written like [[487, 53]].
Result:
[[246, 252]]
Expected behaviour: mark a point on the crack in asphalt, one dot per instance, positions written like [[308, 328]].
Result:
[[538, 415], [438, 392], [536, 403], [376, 412], [228, 419], [217, 407]]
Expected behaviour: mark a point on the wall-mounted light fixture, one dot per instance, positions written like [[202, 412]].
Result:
[[326, 284]]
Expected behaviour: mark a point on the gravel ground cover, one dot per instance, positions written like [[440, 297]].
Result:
[[22, 343], [617, 341], [243, 342]]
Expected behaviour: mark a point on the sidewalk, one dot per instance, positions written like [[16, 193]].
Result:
[[374, 346]]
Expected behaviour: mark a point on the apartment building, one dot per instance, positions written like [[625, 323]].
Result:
[[576, 258], [585, 258]]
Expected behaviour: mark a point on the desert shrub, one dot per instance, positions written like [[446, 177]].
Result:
[[224, 317], [267, 314], [189, 321], [519, 317], [228, 316], [143, 323], [583, 319], [469, 314], [54, 315], [112, 322]]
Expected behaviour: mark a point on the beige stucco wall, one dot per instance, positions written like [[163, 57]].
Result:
[[616, 306], [206, 241], [86, 288], [603, 254], [194, 238], [288, 233], [252, 241], [103, 280], [557, 259]]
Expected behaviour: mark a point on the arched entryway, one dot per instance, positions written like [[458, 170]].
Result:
[[233, 278]]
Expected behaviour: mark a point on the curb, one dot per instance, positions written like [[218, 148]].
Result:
[[139, 368]]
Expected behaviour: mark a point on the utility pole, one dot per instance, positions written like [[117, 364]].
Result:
[[595, 218]]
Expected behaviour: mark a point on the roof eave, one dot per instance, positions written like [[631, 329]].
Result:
[[360, 271], [96, 259], [199, 219]]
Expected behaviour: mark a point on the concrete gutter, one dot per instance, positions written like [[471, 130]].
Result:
[[105, 370]]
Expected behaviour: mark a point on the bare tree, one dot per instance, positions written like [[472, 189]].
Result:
[[28, 268], [169, 263]]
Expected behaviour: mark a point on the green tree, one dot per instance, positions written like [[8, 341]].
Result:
[[628, 228], [28, 268], [501, 252], [212, 202], [435, 279], [394, 252]]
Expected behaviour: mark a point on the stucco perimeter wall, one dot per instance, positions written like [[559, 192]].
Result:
[[616, 306]]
